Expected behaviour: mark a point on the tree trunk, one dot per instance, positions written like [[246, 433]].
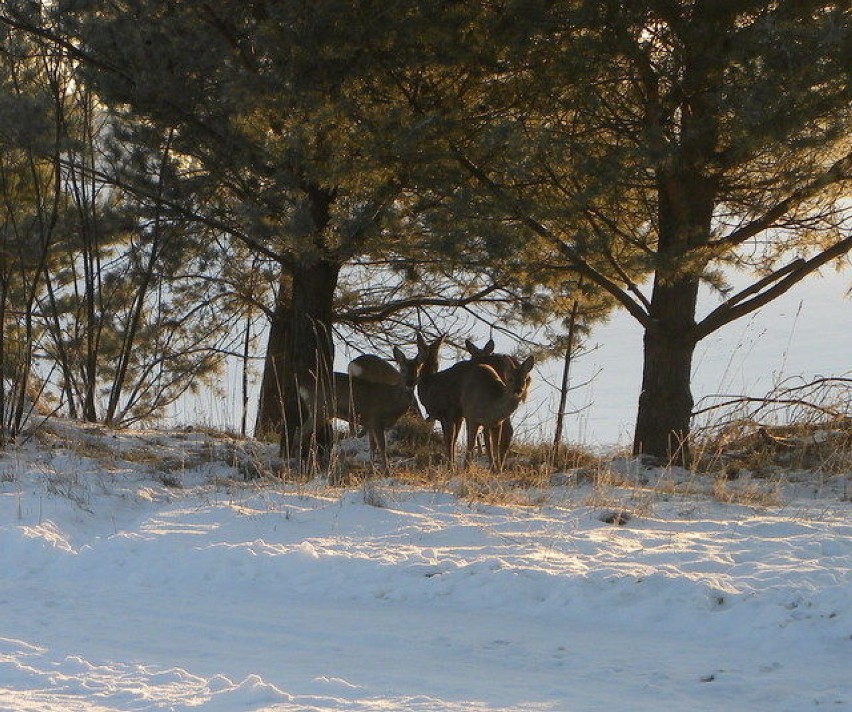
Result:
[[566, 369], [270, 411], [245, 378], [3, 366], [300, 346], [665, 403]]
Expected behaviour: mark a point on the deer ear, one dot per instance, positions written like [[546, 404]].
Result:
[[471, 347], [527, 365], [398, 355], [489, 347]]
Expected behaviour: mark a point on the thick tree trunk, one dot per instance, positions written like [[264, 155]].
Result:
[[665, 403], [300, 348], [270, 410]]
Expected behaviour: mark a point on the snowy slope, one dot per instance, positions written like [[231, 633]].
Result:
[[119, 592]]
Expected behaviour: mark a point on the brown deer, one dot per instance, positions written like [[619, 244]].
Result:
[[373, 368], [373, 404], [440, 392], [487, 401], [506, 366]]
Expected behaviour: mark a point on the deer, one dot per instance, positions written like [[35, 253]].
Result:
[[487, 401], [375, 405], [439, 392], [373, 368], [505, 366]]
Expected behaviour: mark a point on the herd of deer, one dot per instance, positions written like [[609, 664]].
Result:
[[483, 391]]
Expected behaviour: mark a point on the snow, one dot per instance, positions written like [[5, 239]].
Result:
[[141, 572]]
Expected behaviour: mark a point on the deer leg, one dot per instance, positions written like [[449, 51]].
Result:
[[490, 444], [498, 439], [457, 425], [472, 432], [379, 435], [489, 447], [371, 439], [450, 431], [504, 435]]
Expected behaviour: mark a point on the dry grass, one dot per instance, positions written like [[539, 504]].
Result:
[[753, 494], [745, 445], [477, 484], [742, 462], [798, 425]]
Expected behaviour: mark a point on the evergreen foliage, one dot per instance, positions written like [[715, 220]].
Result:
[[642, 141], [553, 158]]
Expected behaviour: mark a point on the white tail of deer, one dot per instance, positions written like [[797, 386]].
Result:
[[487, 401], [373, 404]]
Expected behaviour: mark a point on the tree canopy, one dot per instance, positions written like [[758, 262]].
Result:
[[636, 148], [643, 141]]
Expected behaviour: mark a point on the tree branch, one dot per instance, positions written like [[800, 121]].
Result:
[[840, 171], [366, 315], [577, 262], [735, 308], [135, 190], [73, 50]]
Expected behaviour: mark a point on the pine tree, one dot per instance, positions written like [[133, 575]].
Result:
[[626, 140], [107, 309], [271, 134]]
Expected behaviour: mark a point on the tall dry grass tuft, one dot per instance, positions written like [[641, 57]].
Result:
[[797, 425]]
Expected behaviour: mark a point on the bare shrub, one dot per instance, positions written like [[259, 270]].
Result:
[[805, 426]]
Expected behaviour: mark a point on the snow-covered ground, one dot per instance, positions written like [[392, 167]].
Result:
[[140, 573]]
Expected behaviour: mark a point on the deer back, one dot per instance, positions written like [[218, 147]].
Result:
[[486, 399], [374, 368], [373, 403], [504, 364]]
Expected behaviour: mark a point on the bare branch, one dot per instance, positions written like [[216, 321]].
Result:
[[840, 171], [735, 308], [576, 260], [366, 315], [182, 210]]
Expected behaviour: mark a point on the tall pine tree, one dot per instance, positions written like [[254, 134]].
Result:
[[647, 146], [271, 135]]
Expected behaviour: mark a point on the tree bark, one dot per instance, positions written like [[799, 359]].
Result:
[[300, 348], [665, 402], [685, 212], [566, 369], [270, 411]]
